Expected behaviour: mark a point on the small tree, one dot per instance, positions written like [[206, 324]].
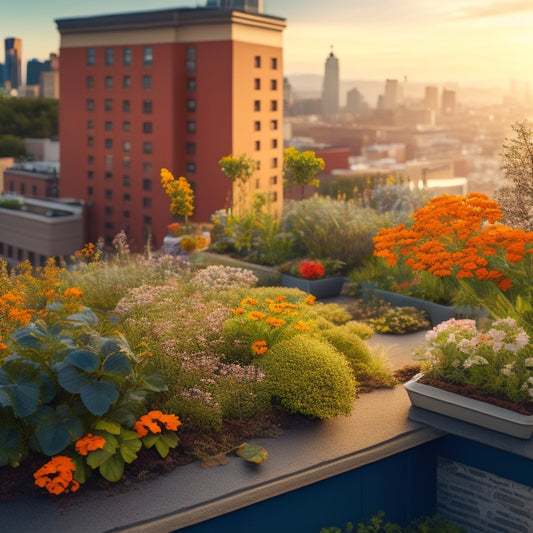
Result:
[[180, 193], [301, 168], [239, 170], [516, 199]]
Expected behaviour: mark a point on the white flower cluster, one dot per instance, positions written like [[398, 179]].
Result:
[[217, 277], [528, 386]]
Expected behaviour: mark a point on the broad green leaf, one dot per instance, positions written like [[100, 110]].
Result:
[[109, 345], [170, 438], [96, 458], [162, 447], [129, 449], [24, 396], [254, 454], [155, 382], [31, 336], [523, 305], [113, 468], [53, 437], [109, 425], [98, 396], [70, 378], [84, 360], [82, 472], [150, 439], [118, 364], [85, 316]]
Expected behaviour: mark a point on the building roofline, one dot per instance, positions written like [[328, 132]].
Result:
[[165, 18]]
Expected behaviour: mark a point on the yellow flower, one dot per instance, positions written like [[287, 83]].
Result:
[[256, 315], [275, 322], [301, 326]]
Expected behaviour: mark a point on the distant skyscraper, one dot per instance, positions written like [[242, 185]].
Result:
[[355, 102], [448, 102], [330, 93], [393, 94], [432, 98], [13, 70]]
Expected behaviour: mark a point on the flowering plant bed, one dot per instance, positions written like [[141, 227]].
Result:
[[320, 288]]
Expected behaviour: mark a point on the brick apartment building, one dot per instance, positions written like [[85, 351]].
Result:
[[175, 88]]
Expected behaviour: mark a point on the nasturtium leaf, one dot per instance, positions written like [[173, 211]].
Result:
[[110, 345], [98, 457], [53, 437], [70, 378], [31, 336], [24, 396], [98, 396], [129, 449], [84, 360], [108, 425], [254, 454], [113, 468], [162, 447], [171, 439], [118, 364]]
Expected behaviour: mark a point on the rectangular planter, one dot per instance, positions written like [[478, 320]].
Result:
[[469, 410], [321, 288]]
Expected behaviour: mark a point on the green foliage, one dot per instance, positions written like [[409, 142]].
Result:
[[10, 203], [359, 328], [301, 168], [12, 146], [239, 170], [326, 228], [29, 117], [309, 377], [400, 320], [333, 312], [61, 379]]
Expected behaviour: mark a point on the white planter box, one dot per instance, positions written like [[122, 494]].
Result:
[[469, 410]]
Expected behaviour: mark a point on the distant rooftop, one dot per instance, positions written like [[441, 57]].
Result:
[[40, 167]]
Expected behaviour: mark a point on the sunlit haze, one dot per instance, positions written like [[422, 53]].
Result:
[[464, 41]]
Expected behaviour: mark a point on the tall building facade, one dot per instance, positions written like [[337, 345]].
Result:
[[176, 89], [393, 94], [13, 64], [330, 93]]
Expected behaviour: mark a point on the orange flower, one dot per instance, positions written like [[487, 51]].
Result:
[[239, 311], [505, 284], [256, 315], [275, 322], [152, 422], [301, 326], [248, 301], [89, 443], [259, 347], [309, 299], [56, 476], [73, 292]]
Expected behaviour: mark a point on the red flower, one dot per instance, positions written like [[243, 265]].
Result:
[[311, 270]]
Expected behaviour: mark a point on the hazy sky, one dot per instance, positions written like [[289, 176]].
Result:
[[425, 40]]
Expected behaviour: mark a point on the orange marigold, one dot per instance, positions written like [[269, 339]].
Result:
[[275, 322], [153, 421], [57, 476], [89, 443], [259, 347]]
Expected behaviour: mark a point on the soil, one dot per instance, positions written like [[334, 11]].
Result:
[[195, 445]]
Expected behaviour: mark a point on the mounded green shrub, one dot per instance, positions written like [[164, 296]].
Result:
[[333, 312], [360, 329], [310, 377]]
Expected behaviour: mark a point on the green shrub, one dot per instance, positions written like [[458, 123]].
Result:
[[242, 399], [400, 320], [333, 312], [310, 377], [360, 329]]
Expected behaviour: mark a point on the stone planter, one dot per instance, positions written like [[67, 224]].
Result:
[[468, 410], [320, 288], [437, 313]]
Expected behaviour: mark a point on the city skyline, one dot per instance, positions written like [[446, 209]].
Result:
[[464, 41]]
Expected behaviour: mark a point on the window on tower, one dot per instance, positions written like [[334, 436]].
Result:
[[90, 56], [109, 56], [191, 59], [148, 57]]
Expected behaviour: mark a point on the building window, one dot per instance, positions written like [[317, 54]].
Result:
[[274, 196], [147, 148], [274, 143], [258, 145], [108, 210], [108, 126], [191, 126], [147, 106], [274, 162], [191, 84], [274, 105], [147, 184], [126, 161], [257, 61], [147, 203], [90, 159], [109, 143], [109, 56], [89, 82], [9, 250], [108, 225], [90, 140], [90, 104], [147, 220], [126, 125], [109, 82], [22, 189], [147, 127], [126, 214], [126, 82], [90, 56], [274, 63], [148, 57], [90, 125], [191, 105], [257, 105], [126, 57], [34, 190], [126, 196], [109, 175], [147, 167], [108, 104], [108, 194], [126, 146], [274, 85], [191, 148], [273, 124], [273, 180], [125, 106], [257, 125], [191, 167], [258, 165], [257, 183], [147, 81], [109, 162], [90, 191], [126, 182], [257, 84], [90, 174], [191, 59]]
